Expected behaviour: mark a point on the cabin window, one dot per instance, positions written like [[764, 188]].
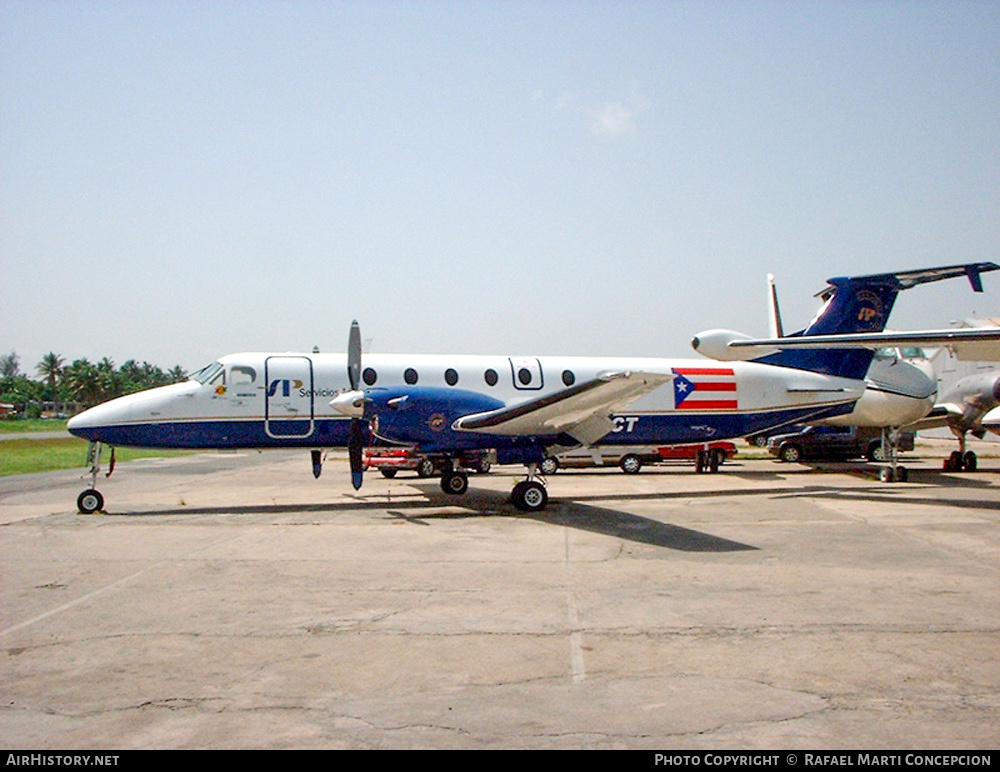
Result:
[[524, 376], [410, 376], [369, 376], [240, 375], [450, 377], [568, 378], [490, 376]]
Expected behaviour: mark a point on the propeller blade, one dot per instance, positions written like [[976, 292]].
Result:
[[355, 449], [356, 442], [354, 356]]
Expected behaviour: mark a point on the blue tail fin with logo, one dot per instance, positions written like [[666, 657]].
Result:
[[861, 304]]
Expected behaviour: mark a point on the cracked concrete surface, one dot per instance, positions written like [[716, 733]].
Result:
[[230, 601]]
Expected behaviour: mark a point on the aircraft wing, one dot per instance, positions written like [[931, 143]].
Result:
[[942, 414], [969, 344], [583, 411]]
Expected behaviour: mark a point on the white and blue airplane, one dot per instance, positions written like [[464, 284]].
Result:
[[518, 408]]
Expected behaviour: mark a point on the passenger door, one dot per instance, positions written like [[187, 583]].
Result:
[[288, 411]]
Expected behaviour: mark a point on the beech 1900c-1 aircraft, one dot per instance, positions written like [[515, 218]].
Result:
[[517, 408]]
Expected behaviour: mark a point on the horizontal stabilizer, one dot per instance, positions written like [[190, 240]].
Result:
[[907, 279], [975, 344]]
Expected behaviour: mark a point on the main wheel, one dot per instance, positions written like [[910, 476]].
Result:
[[791, 453], [715, 459], [549, 465], [455, 483], [630, 464], [969, 461], [875, 452], [90, 501], [530, 496], [390, 473]]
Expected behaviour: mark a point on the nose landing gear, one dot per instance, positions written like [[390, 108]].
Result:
[[91, 500]]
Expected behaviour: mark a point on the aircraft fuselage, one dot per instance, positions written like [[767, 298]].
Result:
[[262, 400]]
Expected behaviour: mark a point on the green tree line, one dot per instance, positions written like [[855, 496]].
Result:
[[80, 384]]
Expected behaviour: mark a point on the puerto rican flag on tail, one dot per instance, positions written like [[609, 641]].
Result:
[[705, 388]]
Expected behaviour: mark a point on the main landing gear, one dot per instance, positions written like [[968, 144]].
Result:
[[890, 452], [960, 460], [91, 500], [708, 460], [528, 495]]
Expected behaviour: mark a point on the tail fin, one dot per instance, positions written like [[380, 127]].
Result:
[[861, 304]]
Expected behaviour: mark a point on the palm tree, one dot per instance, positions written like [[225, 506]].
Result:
[[50, 368]]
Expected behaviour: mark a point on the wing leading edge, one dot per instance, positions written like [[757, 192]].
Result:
[[582, 411]]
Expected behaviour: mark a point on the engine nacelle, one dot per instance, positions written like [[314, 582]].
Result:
[[421, 415], [714, 344]]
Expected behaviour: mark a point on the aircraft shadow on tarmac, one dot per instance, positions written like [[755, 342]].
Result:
[[570, 514], [585, 514]]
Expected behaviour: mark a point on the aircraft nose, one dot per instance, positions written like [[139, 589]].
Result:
[[92, 423]]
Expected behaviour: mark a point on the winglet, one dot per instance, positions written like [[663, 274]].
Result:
[[972, 271]]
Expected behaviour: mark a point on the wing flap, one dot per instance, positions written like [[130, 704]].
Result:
[[583, 409]]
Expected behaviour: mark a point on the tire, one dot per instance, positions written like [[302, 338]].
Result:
[[791, 453], [969, 461], [530, 496], [717, 458], [455, 483], [390, 473], [875, 452], [700, 462], [630, 464], [549, 465], [483, 466], [901, 474], [885, 474], [425, 468], [90, 501]]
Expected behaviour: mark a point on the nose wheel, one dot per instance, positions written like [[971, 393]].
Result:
[[90, 501]]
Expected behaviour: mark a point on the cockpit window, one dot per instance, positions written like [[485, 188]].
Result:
[[207, 373], [913, 352]]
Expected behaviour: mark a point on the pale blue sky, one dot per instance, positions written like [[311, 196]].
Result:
[[183, 180]]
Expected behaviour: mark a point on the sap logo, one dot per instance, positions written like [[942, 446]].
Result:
[[624, 423], [286, 387], [870, 309]]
